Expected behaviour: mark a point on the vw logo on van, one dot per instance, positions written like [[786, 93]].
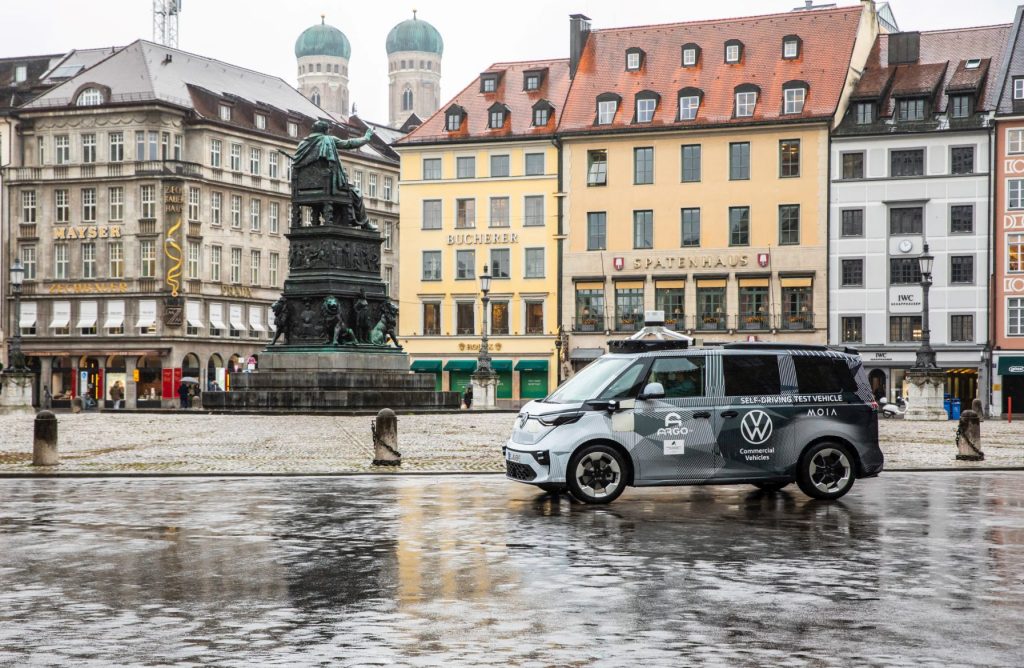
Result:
[[756, 427]]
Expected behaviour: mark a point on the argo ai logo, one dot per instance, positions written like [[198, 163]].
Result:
[[756, 427], [673, 426]]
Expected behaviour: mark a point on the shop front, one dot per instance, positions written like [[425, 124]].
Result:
[[150, 385], [432, 367], [1009, 384], [460, 374], [533, 378], [887, 374], [115, 374]]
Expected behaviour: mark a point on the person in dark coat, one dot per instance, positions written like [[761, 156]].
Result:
[[467, 396], [183, 394]]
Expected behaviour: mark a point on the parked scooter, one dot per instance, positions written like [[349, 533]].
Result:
[[892, 410]]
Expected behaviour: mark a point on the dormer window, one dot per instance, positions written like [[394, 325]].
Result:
[[489, 83], [293, 129], [960, 106], [794, 93], [646, 103], [531, 82], [90, 97], [1018, 88], [225, 112], [689, 103], [972, 64], [733, 51], [542, 113], [746, 100], [20, 73], [261, 121], [634, 59], [454, 117], [791, 47], [496, 116], [607, 106], [910, 109], [864, 113], [691, 55]]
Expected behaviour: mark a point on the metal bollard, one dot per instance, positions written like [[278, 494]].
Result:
[[44, 440], [385, 439], [968, 438]]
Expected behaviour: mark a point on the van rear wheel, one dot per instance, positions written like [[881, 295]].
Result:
[[825, 471], [597, 474]]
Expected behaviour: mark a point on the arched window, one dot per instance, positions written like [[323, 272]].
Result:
[[90, 97], [407, 99], [315, 97]]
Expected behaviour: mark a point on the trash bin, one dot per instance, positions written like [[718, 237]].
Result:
[[954, 409], [945, 404]]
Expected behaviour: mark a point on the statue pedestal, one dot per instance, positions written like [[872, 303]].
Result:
[[925, 389], [485, 390], [16, 393]]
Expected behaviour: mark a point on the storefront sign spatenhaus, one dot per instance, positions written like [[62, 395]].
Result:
[[708, 261]]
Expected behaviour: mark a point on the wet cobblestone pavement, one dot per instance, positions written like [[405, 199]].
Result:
[[908, 569], [455, 442]]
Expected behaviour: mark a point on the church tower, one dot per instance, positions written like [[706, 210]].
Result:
[[414, 70], [323, 52]]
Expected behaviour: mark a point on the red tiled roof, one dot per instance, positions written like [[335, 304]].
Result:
[[964, 79], [918, 79], [827, 39], [519, 123]]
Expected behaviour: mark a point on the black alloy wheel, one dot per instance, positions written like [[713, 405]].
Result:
[[597, 474], [825, 471]]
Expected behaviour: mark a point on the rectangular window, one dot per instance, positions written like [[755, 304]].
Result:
[[789, 48], [431, 265], [273, 217], [28, 206], [906, 220], [236, 265], [255, 215], [62, 149], [907, 163], [852, 329], [597, 168], [904, 271], [853, 165], [236, 158], [465, 213], [732, 53], [1018, 88], [431, 214], [465, 167], [865, 113], [534, 164], [789, 158], [371, 186], [739, 226], [165, 145], [643, 165], [534, 263], [501, 263], [961, 328], [961, 269], [431, 169], [633, 61], [753, 307], [28, 260], [255, 157], [89, 147], [541, 116], [671, 301], [815, 375], [88, 205], [904, 328], [116, 146], [215, 149], [960, 106], [41, 144], [751, 375], [1015, 253], [115, 257], [147, 259], [147, 197], [224, 112], [193, 204], [236, 212], [745, 103], [688, 106], [606, 111], [710, 307], [61, 206], [465, 318], [274, 268], [152, 143], [115, 199], [851, 273], [1014, 140], [255, 260], [962, 159], [689, 57], [388, 187], [911, 109], [431, 319], [643, 229], [789, 224], [794, 100], [1015, 316], [465, 265], [140, 145], [89, 260], [261, 121], [961, 219], [533, 206], [293, 129], [597, 222], [272, 165], [60, 261], [589, 310], [499, 166], [739, 161], [534, 317], [852, 223], [499, 212], [690, 228], [499, 318], [193, 260], [216, 202], [215, 259], [629, 308], [645, 107], [691, 163]]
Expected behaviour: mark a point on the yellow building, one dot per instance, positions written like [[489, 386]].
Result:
[[478, 188], [695, 160]]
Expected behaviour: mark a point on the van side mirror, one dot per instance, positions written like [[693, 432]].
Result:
[[653, 391]]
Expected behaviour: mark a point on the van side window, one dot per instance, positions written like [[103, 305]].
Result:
[[820, 375], [627, 386], [680, 376], [747, 375]]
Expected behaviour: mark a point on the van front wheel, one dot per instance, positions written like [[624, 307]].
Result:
[[596, 474], [825, 471]]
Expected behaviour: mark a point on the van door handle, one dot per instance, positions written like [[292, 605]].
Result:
[[729, 414], [702, 414]]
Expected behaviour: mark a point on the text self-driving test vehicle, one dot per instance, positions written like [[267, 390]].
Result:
[[661, 413]]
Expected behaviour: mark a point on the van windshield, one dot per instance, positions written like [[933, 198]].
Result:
[[589, 382]]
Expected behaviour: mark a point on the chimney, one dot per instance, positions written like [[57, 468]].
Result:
[[904, 48], [579, 30]]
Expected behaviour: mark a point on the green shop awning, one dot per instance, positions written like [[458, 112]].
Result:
[[460, 365], [532, 365], [501, 365], [1011, 366], [426, 366]]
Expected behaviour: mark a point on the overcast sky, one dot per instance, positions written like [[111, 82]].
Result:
[[260, 34]]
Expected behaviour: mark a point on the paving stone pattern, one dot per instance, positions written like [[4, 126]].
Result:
[[459, 442]]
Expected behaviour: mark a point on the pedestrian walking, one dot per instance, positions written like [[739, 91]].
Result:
[[47, 398], [117, 394], [183, 394], [467, 397]]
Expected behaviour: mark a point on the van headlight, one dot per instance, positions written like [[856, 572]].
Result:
[[538, 424]]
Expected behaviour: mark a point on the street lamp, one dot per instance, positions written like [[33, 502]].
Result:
[[484, 358], [16, 357], [925, 353]]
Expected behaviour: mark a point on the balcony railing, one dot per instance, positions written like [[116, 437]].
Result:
[[195, 229], [754, 321], [802, 320], [589, 323], [712, 323], [28, 231], [104, 170], [629, 323], [147, 226]]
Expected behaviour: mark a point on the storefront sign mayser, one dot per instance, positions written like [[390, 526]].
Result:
[[86, 288], [87, 232], [690, 262], [905, 299], [483, 239], [476, 346]]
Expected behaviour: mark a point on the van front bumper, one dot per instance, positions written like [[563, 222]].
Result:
[[529, 466]]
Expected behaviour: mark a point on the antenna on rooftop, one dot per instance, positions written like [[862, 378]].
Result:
[[165, 22]]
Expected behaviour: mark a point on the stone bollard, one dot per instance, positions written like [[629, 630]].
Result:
[[76, 405], [385, 439], [196, 402], [968, 437], [44, 441]]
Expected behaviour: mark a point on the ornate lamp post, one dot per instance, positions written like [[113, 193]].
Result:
[[16, 358], [925, 381], [483, 363], [16, 381], [925, 354], [484, 380]]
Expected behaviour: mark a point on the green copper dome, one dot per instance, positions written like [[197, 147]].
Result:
[[322, 40], [415, 35]]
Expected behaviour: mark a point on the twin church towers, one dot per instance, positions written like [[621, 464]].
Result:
[[414, 69]]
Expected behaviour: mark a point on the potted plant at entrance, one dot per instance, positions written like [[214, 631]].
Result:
[[754, 322]]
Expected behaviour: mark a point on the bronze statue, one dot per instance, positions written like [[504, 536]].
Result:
[[362, 317], [337, 332], [385, 328], [281, 319]]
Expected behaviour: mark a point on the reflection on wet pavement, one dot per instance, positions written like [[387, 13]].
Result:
[[908, 568]]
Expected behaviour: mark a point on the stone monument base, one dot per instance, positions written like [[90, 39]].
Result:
[[303, 378], [16, 393], [925, 389]]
